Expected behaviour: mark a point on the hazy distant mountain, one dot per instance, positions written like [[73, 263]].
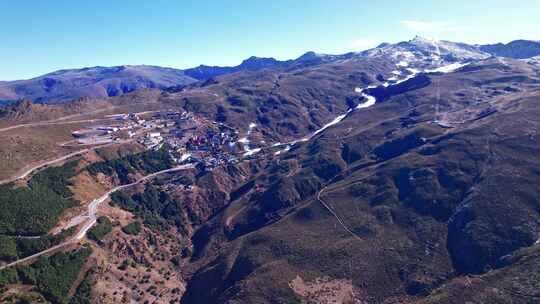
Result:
[[64, 85], [204, 72], [70, 84], [253, 63], [519, 49]]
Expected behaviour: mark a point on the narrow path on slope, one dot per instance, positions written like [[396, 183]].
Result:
[[91, 216], [340, 221], [370, 101]]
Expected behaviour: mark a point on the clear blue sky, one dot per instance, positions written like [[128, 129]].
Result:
[[42, 36]]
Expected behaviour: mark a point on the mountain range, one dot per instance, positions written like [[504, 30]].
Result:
[[100, 82], [407, 173]]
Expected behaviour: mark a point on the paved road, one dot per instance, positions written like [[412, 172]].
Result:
[[93, 206], [29, 258], [47, 163], [62, 120], [92, 215], [48, 123], [56, 160]]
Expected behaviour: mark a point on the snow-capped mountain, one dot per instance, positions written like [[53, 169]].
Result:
[[409, 58], [426, 53], [426, 50], [459, 51]]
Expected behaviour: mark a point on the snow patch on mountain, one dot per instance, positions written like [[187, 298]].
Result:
[[447, 68], [333, 122], [246, 142], [185, 157], [287, 148], [447, 48], [370, 100], [425, 54], [251, 152]]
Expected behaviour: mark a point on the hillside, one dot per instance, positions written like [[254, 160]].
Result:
[[94, 82], [403, 174], [518, 49], [391, 203]]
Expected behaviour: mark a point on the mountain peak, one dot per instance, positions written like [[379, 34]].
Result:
[[254, 62], [259, 59], [422, 38], [419, 40], [308, 56]]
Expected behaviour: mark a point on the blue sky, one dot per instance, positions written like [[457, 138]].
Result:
[[42, 36]]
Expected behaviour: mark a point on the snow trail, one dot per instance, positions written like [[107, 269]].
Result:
[[369, 99], [447, 68], [246, 142]]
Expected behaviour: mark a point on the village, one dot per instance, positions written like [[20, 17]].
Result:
[[188, 138]]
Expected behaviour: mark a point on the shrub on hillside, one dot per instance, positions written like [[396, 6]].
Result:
[[35, 209], [54, 276], [132, 228], [145, 162], [101, 229]]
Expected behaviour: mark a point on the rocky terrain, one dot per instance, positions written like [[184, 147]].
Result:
[[403, 174]]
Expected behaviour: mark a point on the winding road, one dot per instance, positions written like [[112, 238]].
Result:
[[340, 221], [91, 216], [61, 121], [93, 206], [26, 173]]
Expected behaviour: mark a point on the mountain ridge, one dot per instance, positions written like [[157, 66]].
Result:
[[517, 49], [100, 81]]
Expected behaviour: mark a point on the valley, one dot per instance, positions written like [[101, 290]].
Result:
[[401, 174]]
